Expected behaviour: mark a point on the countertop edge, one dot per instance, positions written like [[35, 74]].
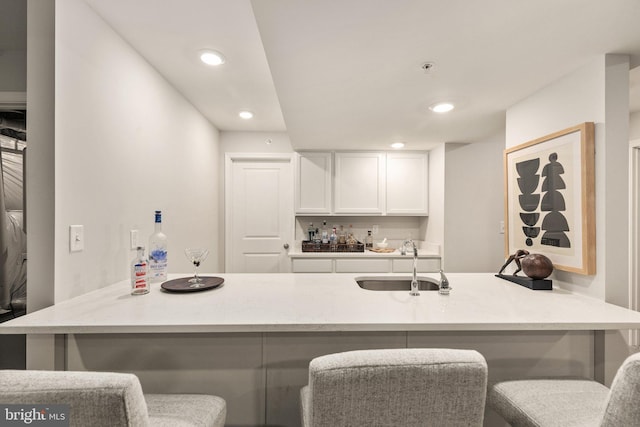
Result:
[[298, 328]]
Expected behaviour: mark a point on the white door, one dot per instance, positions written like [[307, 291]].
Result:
[[259, 214]]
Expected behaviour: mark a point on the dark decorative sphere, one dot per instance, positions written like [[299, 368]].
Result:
[[536, 266]]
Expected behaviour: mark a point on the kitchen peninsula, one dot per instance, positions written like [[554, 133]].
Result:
[[250, 341]]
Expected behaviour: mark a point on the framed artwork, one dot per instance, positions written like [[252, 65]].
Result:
[[550, 198]]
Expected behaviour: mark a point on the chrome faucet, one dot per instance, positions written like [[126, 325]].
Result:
[[414, 281]]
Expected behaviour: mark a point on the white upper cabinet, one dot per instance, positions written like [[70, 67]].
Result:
[[362, 183], [313, 183], [359, 183], [407, 183]]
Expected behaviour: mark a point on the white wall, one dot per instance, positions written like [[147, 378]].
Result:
[[634, 125], [254, 142], [474, 206], [435, 223], [598, 92], [594, 93], [127, 143]]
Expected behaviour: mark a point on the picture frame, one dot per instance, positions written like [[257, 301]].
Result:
[[549, 193]]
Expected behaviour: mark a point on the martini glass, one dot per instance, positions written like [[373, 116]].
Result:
[[196, 256]]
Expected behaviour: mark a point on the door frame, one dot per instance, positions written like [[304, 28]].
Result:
[[634, 228], [229, 158]]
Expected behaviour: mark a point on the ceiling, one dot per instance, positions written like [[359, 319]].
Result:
[[338, 74]]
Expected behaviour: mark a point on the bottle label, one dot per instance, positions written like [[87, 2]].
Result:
[[158, 255], [139, 279], [158, 263]]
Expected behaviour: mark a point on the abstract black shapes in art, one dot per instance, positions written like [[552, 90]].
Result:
[[554, 223], [528, 183]]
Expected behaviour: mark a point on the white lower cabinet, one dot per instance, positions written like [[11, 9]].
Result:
[[363, 265], [406, 265], [302, 265]]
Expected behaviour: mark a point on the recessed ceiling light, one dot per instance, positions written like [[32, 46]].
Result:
[[442, 107], [397, 145], [211, 57], [245, 115]]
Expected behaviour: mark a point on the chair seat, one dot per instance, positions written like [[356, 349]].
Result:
[[549, 402], [396, 387], [108, 399], [185, 410]]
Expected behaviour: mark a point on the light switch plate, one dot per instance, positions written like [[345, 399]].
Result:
[[134, 240], [76, 238]]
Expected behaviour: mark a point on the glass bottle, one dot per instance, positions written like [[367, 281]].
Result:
[[342, 239], [368, 243], [311, 232], [140, 273], [333, 240], [325, 232], [158, 252]]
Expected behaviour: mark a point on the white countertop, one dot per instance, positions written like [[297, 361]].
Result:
[[297, 253], [324, 302]]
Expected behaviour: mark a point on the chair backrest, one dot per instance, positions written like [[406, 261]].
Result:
[[95, 399], [623, 408], [399, 387]]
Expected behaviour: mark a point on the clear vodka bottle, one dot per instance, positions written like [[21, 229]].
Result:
[[158, 252]]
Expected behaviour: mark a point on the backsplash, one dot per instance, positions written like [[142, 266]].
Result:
[[394, 228]]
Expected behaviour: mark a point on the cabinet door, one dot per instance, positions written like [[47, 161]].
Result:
[[303, 265], [362, 265], [313, 183], [359, 183], [425, 265], [407, 183]]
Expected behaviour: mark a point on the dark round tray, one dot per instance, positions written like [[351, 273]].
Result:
[[183, 285]]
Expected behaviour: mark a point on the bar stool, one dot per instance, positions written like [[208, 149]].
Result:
[[399, 387], [107, 399], [568, 402]]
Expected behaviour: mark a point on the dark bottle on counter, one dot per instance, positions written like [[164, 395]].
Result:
[[311, 232]]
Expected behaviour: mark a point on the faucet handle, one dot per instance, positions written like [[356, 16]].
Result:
[[443, 286], [403, 247]]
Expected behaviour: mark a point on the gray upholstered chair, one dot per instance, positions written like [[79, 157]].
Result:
[[400, 387], [567, 402], [106, 399]]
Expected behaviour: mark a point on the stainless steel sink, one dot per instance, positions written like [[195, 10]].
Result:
[[383, 283]]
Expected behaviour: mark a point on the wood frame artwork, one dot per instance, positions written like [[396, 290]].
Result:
[[550, 198]]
